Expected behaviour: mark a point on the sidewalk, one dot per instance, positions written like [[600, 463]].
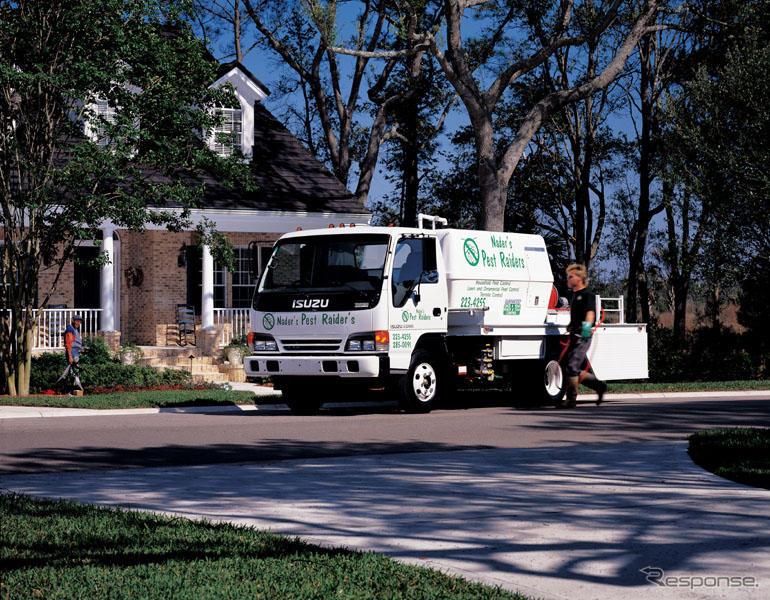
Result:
[[267, 393], [28, 412], [555, 522]]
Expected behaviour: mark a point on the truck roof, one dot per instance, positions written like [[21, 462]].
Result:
[[389, 230]]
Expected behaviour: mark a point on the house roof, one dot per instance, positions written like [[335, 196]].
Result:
[[287, 176], [225, 68]]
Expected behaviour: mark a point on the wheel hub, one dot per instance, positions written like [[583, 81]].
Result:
[[424, 382], [553, 378]]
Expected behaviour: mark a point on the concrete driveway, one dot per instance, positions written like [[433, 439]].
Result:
[[631, 520]]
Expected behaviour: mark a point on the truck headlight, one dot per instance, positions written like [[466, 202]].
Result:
[[372, 341], [262, 342]]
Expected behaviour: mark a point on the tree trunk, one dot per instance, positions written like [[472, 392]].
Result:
[[637, 281], [644, 294], [715, 305], [17, 368], [681, 286], [411, 182], [412, 149], [492, 187]]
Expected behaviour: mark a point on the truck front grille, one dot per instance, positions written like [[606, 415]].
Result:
[[313, 345]]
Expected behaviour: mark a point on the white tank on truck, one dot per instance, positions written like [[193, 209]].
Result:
[[420, 312]]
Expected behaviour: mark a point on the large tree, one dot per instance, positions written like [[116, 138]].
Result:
[[104, 105], [715, 150], [549, 27], [336, 90]]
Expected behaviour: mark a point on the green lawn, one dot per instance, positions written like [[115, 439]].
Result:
[[63, 550], [738, 454], [151, 399]]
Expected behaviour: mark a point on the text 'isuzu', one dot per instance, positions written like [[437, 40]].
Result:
[[420, 312]]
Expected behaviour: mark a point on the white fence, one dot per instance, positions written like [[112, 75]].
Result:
[[232, 322], [49, 333]]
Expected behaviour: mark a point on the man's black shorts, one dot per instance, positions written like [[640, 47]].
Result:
[[575, 360]]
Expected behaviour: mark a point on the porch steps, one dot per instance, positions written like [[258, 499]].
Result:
[[205, 369]]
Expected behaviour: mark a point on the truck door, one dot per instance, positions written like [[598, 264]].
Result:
[[418, 296]]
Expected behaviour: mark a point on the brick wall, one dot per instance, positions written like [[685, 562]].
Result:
[[148, 310]]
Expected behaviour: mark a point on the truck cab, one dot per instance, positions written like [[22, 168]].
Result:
[[345, 304]]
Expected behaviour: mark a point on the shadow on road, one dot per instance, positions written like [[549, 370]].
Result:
[[574, 515]]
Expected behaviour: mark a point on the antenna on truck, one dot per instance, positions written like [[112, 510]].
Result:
[[431, 219]]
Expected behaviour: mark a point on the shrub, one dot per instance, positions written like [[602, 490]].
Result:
[[47, 368], [718, 354], [95, 351], [706, 354], [667, 358]]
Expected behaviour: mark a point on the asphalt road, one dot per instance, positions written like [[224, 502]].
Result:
[[40, 445]]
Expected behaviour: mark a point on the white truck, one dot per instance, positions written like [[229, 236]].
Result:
[[418, 311]]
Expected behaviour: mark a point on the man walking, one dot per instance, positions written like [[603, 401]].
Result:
[[580, 330], [73, 343]]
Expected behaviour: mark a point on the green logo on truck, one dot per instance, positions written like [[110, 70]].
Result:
[[471, 251], [512, 307], [268, 321]]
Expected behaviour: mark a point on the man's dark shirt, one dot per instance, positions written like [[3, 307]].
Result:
[[582, 302]]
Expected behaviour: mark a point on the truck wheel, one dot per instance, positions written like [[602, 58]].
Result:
[[554, 382], [422, 387], [302, 400]]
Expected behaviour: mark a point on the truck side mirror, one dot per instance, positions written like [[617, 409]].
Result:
[[429, 276]]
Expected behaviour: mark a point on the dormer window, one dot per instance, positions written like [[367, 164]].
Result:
[[228, 135], [102, 110]]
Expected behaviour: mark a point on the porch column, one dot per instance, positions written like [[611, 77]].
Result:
[[207, 290], [107, 281]]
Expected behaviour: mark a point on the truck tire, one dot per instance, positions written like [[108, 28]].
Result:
[[423, 385], [302, 400], [554, 382]]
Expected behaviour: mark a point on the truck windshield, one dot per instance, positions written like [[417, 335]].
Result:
[[347, 269]]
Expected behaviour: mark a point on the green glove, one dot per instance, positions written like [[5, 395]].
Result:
[[586, 330]]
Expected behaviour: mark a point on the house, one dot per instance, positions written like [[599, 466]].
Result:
[[134, 298]]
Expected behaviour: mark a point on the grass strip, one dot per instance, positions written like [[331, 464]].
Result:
[[63, 550], [140, 399], [740, 454], [688, 386]]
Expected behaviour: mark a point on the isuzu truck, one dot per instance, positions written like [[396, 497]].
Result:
[[419, 311]]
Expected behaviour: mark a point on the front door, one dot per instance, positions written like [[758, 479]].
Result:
[[87, 278], [418, 297]]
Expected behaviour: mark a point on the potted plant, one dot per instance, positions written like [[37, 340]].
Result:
[[234, 353], [129, 354]]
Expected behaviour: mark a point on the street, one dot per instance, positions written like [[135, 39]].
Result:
[[271, 433]]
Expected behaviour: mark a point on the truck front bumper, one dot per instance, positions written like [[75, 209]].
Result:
[[264, 365]]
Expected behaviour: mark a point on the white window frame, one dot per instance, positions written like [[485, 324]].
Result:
[[232, 126], [242, 272]]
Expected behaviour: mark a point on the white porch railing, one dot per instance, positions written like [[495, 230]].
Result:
[[49, 333], [231, 322]]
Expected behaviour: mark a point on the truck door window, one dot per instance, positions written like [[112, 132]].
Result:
[[414, 262]]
